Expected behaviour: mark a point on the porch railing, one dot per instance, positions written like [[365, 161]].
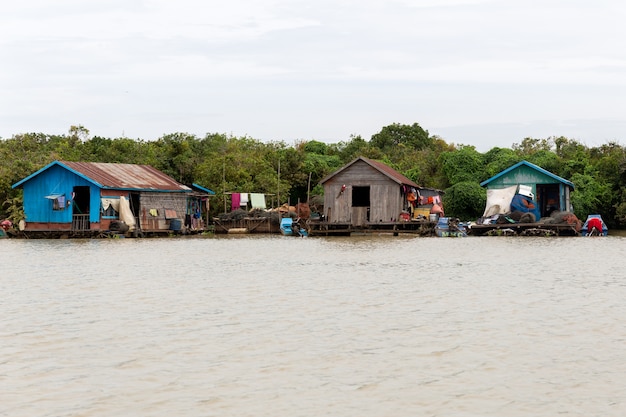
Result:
[[80, 222]]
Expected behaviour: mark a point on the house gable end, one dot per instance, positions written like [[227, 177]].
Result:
[[525, 172], [383, 169], [48, 167]]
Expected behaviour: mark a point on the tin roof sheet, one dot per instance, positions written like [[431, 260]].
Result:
[[126, 176]]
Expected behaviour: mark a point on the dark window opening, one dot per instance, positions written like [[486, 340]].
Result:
[[360, 196], [58, 203]]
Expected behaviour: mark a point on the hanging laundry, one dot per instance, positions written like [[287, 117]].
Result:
[[257, 200], [437, 209], [243, 199], [235, 201]]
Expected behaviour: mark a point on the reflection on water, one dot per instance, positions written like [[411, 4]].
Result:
[[276, 326]]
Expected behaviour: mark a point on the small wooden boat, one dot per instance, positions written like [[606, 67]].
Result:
[[290, 228], [448, 227]]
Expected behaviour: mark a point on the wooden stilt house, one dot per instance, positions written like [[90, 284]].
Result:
[[551, 192], [368, 192], [88, 197]]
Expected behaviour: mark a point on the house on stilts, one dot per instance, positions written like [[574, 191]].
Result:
[[527, 188], [368, 196], [81, 199]]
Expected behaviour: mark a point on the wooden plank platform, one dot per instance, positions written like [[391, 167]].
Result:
[[250, 224], [421, 228]]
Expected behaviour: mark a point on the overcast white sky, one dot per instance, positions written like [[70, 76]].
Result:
[[478, 72]]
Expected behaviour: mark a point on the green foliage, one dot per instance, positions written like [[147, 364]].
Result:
[[610, 162], [497, 160], [413, 174], [462, 165], [529, 146], [347, 151], [410, 136], [315, 147], [591, 196], [14, 208], [547, 160], [427, 162], [620, 208], [225, 163], [465, 200]]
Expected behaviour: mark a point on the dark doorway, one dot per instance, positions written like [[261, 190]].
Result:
[[360, 205], [80, 208], [134, 207], [548, 198], [81, 200], [361, 196]]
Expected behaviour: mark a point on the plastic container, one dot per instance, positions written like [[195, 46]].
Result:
[[175, 224]]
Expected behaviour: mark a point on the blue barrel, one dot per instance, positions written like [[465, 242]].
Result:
[[175, 224]]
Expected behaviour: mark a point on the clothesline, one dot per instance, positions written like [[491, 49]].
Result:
[[257, 200]]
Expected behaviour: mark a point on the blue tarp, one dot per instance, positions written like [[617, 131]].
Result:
[[525, 205]]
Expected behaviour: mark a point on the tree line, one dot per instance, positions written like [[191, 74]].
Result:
[[225, 163]]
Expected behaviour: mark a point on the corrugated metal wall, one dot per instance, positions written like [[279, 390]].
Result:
[[55, 181]]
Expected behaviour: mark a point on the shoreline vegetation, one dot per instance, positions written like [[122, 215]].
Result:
[[291, 172]]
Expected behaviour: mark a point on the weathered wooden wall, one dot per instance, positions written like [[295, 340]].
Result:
[[385, 195], [161, 202]]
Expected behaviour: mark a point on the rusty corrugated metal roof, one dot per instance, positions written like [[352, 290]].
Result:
[[126, 176]]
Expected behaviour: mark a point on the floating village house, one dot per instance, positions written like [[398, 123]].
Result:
[[367, 191], [88, 197], [551, 192]]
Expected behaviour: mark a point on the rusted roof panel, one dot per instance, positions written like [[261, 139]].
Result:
[[126, 176]]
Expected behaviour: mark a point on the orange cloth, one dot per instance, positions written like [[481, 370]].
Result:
[[437, 209]]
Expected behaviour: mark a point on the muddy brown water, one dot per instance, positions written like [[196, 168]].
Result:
[[280, 326]]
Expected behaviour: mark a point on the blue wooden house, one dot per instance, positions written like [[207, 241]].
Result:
[[550, 191], [90, 196]]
